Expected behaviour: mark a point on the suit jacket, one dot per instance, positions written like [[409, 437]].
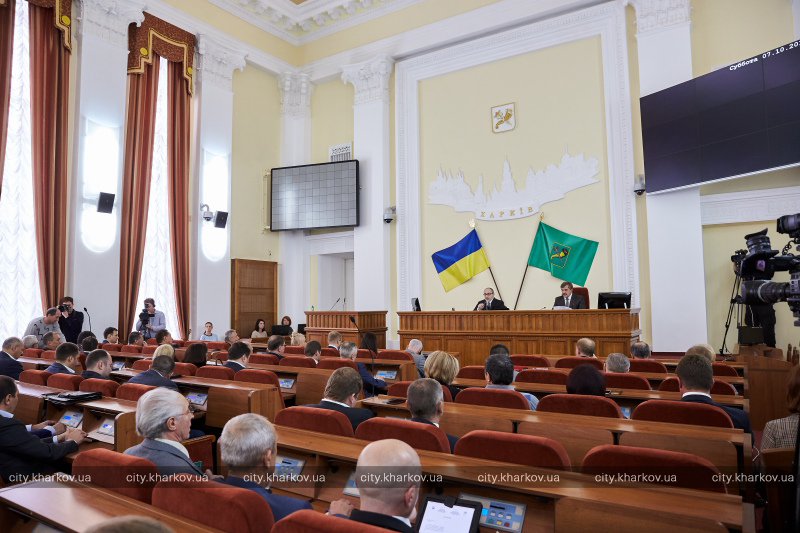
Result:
[[356, 415], [9, 366], [233, 366], [575, 302], [167, 459], [496, 305], [91, 374], [57, 368], [23, 453], [282, 506], [380, 520], [419, 361], [372, 385], [151, 377], [278, 355], [450, 438], [738, 416]]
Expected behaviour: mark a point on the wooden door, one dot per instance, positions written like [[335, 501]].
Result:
[[254, 294]]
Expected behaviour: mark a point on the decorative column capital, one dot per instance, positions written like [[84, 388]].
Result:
[[657, 14], [370, 79], [109, 19], [218, 60], [295, 90]]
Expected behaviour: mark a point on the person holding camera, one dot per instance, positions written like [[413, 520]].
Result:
[[42, 325], [70, 321], [150, 321]]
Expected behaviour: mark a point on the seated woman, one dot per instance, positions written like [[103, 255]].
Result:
[[260, 331], [197, 354], [442, 367], [782, 432], [586, 379], [164, 349], [286, 321]]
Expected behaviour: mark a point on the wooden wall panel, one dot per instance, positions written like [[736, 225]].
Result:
[[254, 294]]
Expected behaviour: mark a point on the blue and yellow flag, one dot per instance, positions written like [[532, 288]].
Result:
[[460, 262]]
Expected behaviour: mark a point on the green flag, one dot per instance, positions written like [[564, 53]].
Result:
[[565, 256]]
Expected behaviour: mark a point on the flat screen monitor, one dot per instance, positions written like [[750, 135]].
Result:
[[281, 330], [286, 383], [614, 300], [386, 374], [415, 304]]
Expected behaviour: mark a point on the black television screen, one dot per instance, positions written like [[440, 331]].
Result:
[[324, 195], [738, 120], [614, 300]]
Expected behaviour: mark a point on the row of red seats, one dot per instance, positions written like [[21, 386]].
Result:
[[75, 382]]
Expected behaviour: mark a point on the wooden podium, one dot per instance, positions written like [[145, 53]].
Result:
[[472, 333], [320, 323]]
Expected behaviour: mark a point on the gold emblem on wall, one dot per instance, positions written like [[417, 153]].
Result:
[[504, 118]]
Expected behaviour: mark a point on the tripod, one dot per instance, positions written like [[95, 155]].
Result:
[[735, 300]]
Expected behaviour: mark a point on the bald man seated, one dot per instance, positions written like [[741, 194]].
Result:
[[389, 502]]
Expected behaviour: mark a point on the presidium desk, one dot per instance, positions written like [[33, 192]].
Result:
[[472, 333]]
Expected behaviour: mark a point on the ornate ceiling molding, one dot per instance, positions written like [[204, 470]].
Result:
[[218, 60], [370, 79], [299, 24], [109, 19], [295, 90], [656, 14]]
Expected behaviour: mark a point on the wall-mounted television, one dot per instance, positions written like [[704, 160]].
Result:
[[738, 120], [317, 196]]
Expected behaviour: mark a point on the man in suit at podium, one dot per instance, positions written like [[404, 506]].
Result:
[[567, 299], [489, 302]]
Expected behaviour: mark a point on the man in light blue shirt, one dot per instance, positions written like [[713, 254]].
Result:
[[500, 374], [156, 321]]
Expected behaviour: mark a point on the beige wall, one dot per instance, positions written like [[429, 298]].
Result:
[[331, 117], [256, 149]]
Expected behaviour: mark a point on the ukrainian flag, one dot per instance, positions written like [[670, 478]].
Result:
[[460, 262]]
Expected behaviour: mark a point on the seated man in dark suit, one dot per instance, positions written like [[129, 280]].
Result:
[[567, 299], [12, 350], [276, 345], [51, 340], [385, 502], [23, 453], [98, 365], [640, 350], [110, 335], [341, 394], [89, 344], [66, 359], [238, 356], [313, 349], [159, 373], [426, 404], [248, 446], [489, 302], [697, 377], [164, 419], [372, 385]]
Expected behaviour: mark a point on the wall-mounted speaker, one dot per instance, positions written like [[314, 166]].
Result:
[[221, 220], [105, 204]]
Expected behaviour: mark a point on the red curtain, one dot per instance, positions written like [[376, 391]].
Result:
[[49, 114], [6, 52], [178, 139], [140, 124]]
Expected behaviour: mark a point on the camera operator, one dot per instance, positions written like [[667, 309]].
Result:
[[150, 321], [70, 321]]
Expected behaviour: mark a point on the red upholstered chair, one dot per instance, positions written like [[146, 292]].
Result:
[[49, 354], [471, 372], [132, 391], [112, 347], [250, 375], [615, 380], [263, 359], [530, 360], [219, 355], [394, 355], [217, 345], [149, 349], [583, 291], [721, 369], [330, 352], [647, 365], [178, 343], [151, 342], [34, 377], [201, 449], [314, 419], [722, 387], [670, 384], [215, 372], [186, 344], [330, 363], [298, 361], [213, 504], [579, 404], [65, 381], [32, 352], [131, 348], [294, 350], [510, 399], [415, 434], [539, 452], [107, 387], [698, 414], [307, 521], [110, 470], [535, 375], [142, 364], [573, 361], [400, 388], [185, 369], [82, 360], [691, 471]]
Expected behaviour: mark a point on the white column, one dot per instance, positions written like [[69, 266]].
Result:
[[211, 263], [371, 135], [93, 277], [675, 233], [293, 270], [796, 14]]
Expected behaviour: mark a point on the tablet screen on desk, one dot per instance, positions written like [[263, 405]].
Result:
[[197, 398], [106, 427], [118, 365], [286, 383], [350, 487], [72, 419], [439, 515], [626, 411], [386, 374], [288, 467]]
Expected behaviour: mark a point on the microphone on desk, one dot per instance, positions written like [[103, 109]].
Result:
[[89, 317], [334, 304]]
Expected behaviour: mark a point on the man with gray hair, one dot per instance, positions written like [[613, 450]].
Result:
[[414, 349], [372, 384], [640, 350], [30, 341], [231, 336], [158, 376], [44, 324], [164, 419], [389, 499], [9, 366], [617, 362], [425, 402], [248, 446]]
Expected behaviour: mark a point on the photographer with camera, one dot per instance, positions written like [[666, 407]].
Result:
[[70, 321], [43, 325], [150, 321]]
